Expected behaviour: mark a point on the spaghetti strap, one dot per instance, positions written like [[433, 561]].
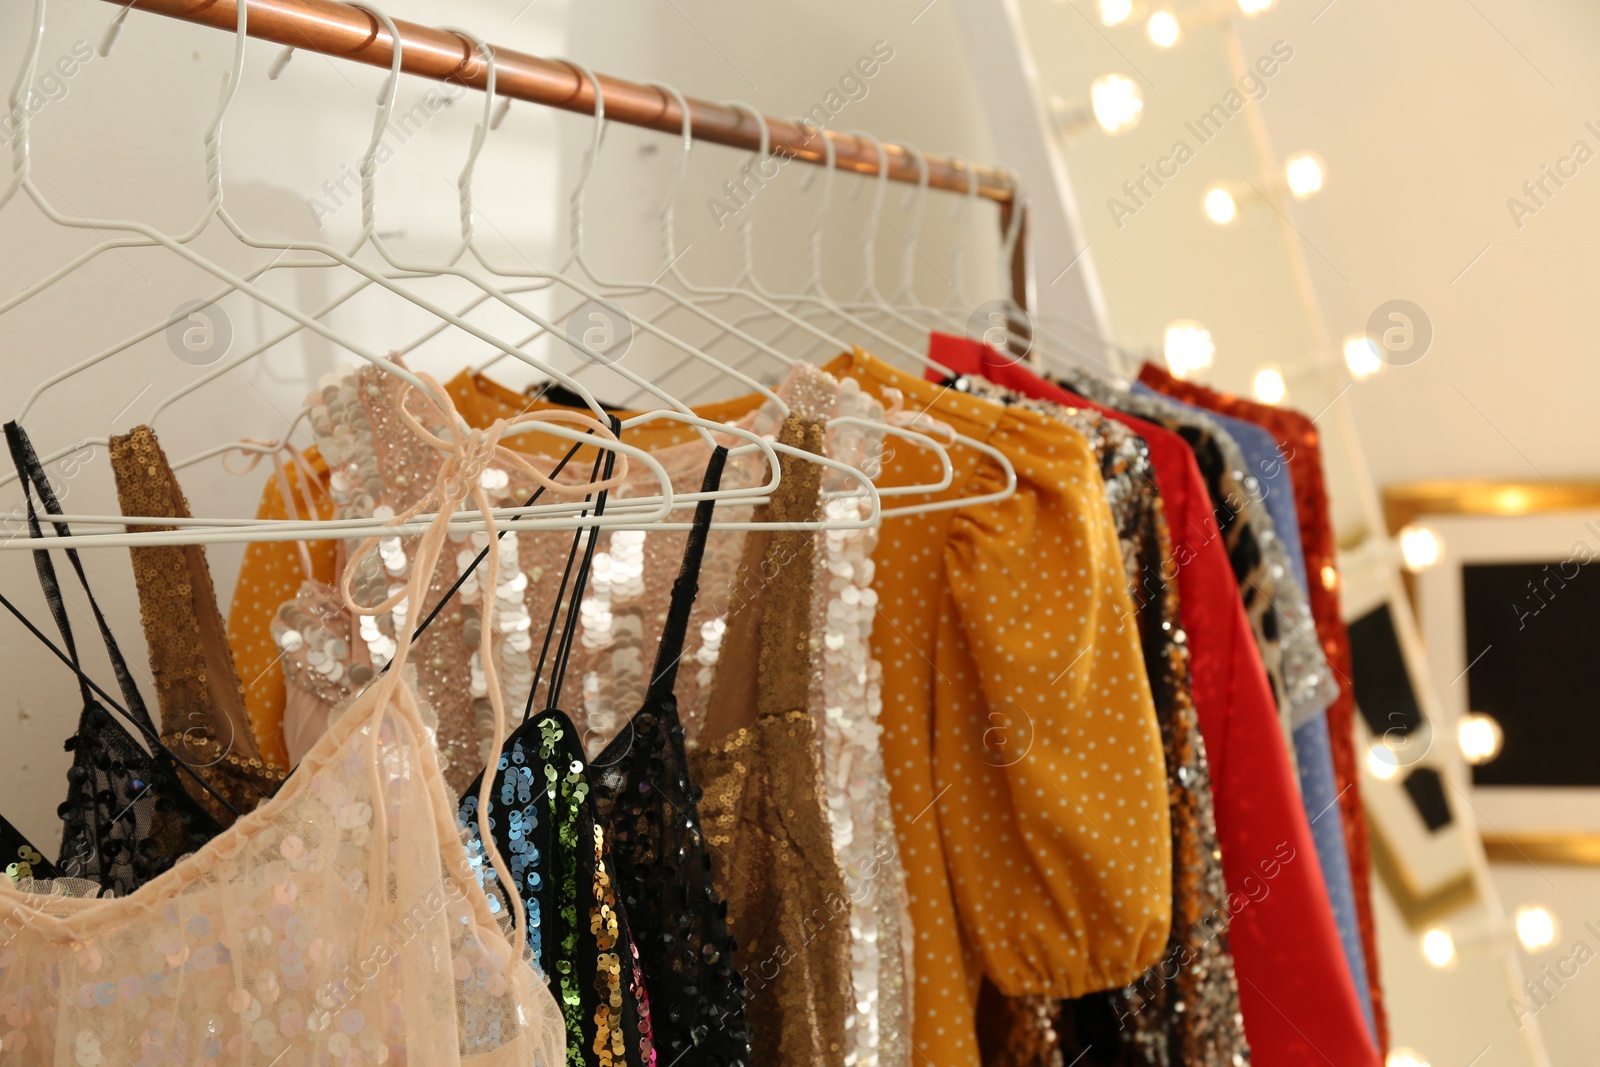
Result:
[[664, 676], [126, 818], [31, 473]]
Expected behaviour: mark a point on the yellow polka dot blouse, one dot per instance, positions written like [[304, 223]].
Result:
[[1025, 761]]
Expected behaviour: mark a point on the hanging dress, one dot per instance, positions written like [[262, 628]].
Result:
[[127, 817]]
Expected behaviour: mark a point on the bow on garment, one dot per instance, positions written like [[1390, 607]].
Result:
[[465, 453]]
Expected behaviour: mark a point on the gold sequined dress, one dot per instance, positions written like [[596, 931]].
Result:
[[762, 807]]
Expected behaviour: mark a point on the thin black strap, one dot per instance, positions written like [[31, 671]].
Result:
[[561, 592], [32, 475], [87, 683], [687, 586], [483, 554], [558, 673], [42, 563]]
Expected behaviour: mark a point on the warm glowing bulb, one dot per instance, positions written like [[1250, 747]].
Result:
[[1420, 548], [1536, 927], [1438, 947], [1480, 737], [1188, 348], [1304, 174], [1115, 12], [1220, 206], [1330, 577], [1256, 7], [1163, 29], [1118, 104], [1404, 1057], [1382, 761], [1269, 385], [1361, 356]]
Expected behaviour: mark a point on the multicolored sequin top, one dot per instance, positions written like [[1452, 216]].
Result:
[[544, 823]]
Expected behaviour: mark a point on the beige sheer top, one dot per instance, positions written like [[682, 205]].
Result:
[[339, 921]]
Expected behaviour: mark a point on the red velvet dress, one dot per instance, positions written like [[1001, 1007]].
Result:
[[1295, 992], [1302, 449]]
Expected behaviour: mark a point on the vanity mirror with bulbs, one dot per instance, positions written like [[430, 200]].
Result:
[[1507, 601]]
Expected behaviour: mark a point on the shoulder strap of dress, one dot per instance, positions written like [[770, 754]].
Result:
[[197, 683], [31, 473], [558, 671], [664, 676]]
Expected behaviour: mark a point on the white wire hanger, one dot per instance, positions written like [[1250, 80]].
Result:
[[813, 296], [205, 530], [148, 236], [579, 259], [21, 181]]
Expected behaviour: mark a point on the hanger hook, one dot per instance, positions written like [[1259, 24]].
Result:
[[869, 239], [747, 216], [113, 31], [480, 132], [230, 86], [21, 93], [679, 170], [589, 157], [830, 156], [386, 97], [917, 201], [965, 209]]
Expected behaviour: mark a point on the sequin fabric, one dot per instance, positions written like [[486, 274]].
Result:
[[846, 700], [126, 818], [202, 707], [1184, 1009], [661, 862], [375, 469], [287, 941], [1260, 564], [20, 858], [543, 820], [763, 806], [1300, 446]]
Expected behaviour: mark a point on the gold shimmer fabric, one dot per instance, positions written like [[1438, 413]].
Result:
[[203, 717], [762, 806], [1025, 762]]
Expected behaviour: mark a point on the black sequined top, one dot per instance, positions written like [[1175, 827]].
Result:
[[663, 868], [126, 818]]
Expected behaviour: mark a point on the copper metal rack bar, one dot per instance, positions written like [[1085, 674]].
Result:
[[349, 32]]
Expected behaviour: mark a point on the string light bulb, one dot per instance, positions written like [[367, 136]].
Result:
[[1420, 548], [1220, 206], [1269, 385], [1400, 1056], [1256, 7], [1115, 12], [1117, 101], [1188, 348], [1536, 927], [1361, 356], [1304, 174], [1382, 761], [1480, 738], [1438, 947], [1163, 29]]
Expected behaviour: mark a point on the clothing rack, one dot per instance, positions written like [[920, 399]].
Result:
[[346, 31]]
